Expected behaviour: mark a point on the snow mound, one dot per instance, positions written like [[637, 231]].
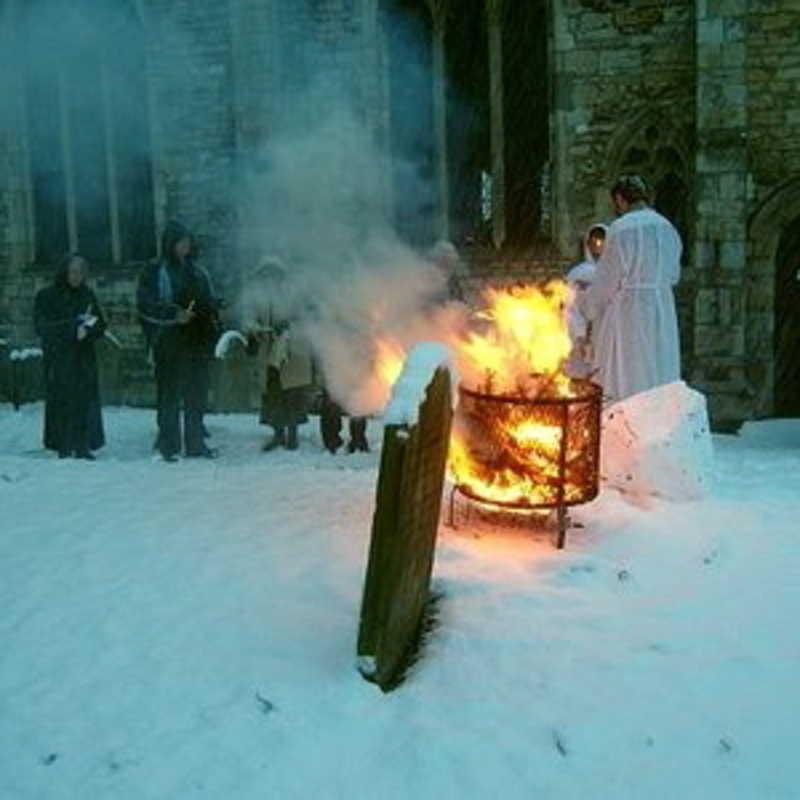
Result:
[[657, 443], [408, 393]]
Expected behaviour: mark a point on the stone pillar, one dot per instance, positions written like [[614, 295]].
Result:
[[565, 117], [375, 97], [494, 17], [721, 191], [17, 238], [254, 26], [439, 12]]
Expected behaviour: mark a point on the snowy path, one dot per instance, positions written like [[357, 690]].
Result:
[[180, 631]]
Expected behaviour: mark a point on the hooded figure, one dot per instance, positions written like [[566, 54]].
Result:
[[580, 278], [631, 301], [268, 311], [179, 316], [68, 319]]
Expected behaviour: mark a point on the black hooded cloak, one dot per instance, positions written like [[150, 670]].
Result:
[[72, 416]]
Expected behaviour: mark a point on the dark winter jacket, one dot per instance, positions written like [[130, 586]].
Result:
[[166, 286]]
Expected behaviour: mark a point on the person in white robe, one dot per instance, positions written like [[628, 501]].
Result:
[[631, 300], [580, 278]]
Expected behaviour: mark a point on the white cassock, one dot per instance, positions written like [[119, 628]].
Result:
[[631, 301]]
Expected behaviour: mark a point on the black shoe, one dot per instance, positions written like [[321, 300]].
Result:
[[291, 439], [333, 445], [170, 458], [64, 454], [205, 452], [85, 455], [358, 444], [278, 440]]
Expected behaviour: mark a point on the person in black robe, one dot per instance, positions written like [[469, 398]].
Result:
[[69, 321], [180, 319]]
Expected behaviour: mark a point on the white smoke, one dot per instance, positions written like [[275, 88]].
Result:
[[318, 207]]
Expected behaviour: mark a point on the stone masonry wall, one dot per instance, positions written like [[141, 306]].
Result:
[[715, 79], [615, 65], [720, 206], [772, 74], [214, 77]]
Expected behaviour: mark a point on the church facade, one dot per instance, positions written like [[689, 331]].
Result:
[[499, 125]]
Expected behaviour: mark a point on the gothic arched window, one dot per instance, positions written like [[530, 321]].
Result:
[[88, 130]]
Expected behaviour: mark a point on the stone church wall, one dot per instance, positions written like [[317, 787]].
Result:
[[702, 92]]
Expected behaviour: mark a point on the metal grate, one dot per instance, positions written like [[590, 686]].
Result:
[[554, 467]]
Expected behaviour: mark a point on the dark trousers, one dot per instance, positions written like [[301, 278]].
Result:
[[181, 384], [330, 424]]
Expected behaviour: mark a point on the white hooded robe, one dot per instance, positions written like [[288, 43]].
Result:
[[579, 278]]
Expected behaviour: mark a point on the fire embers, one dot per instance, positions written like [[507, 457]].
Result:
[[528, 453]]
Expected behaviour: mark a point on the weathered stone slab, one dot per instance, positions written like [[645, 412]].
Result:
[[404, 527]]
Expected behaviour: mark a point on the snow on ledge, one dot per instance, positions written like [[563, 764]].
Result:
[[225, 341], [25, 353], [410, 389]]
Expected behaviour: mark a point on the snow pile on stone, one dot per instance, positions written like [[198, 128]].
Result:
[[409, 391], [226, 340], [658, 443], [25, 353]]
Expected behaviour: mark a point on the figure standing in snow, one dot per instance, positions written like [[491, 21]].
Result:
[[580, 278], [330, 426], [179, 317], [631, 301], [289, 374], [69, 321]]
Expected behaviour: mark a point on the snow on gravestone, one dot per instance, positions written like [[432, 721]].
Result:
[[406, 519], [657, 443]]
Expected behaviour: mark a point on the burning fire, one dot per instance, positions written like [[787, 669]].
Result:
[[525, 342], [505, 447], [389, 358], [522, 431]]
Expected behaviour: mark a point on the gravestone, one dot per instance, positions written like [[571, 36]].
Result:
[[404, 527]]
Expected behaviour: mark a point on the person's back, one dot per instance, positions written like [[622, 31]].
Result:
[[636, 329], [649, 247]]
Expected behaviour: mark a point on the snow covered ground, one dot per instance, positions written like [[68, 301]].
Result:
[[188, 630]]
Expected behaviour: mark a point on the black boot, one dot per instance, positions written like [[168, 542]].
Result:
[[291, 438], [278, 440], [358, 435]]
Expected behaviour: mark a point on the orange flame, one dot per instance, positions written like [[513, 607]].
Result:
[[512, 456], [389, 359], [525, 340]]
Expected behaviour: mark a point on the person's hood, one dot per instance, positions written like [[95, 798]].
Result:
[[173, 232], [587, 256], [60, 274]]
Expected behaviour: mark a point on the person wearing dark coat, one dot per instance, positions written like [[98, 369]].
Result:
[[69, 321], [179, 316]]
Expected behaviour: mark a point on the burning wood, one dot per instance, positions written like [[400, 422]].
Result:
[[526, 435]]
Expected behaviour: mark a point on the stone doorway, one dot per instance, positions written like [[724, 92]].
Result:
[[787, 322]]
